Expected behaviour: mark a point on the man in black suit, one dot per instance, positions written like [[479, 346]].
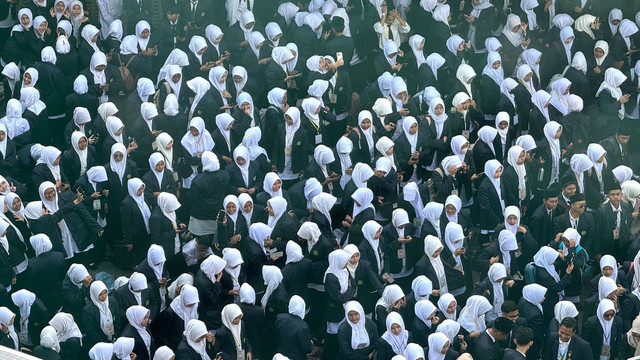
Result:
[[486, 346], [523, 341], [617, 146], [614, 220], [200, 13], [569, 188], [171, 32], [541, 221], [510, 311], [566, 344], [578, 219]]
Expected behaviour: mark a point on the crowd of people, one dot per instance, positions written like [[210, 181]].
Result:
[[336, 179]]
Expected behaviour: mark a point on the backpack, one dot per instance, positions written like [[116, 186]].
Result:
[[529, 274], [129, 80], [433, 190], [156, 96]]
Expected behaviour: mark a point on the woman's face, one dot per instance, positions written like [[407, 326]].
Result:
[[258, 46], [194, 132], [436, 253], [24, 19], [288, 119], [201, 51], [3, 135], [450, 209], [392, 55], [57, 161], [82, 143], [144, 34], [601, 159], [451, 309], [237, 79], [240, 161], [496, 64], [176, 78], [276, 185], [50, 194], [608, 315], [60, 7], [354, 317], [515, 29], [355, 259], [528, 77], [249, 25], [439, 109], [598, 52], [512, 220], [140, 191], [217, 40], [389, 151], [43, 27], [566, 92], [160, 166], [16, 204], [248, 207], [118, 156], [103, 295], [558, 133], [100, 67], [169, 145], [463, 148], [318, 110], [119, 132], [4, 186], [95, 37], [245, 106], [461, 46], [498, 173], [606, 271], [223, 78], [146, 320], [270, 210], [321, 63], [237, 320], [569, 40], [396, 329], [421, 47], [503, 124], [413, 129], [365, 124], [377, 235], [76, 10], [26, 79], [521, 158], [229, 126]]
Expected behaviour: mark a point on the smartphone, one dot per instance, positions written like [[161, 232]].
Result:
[[339, 56]]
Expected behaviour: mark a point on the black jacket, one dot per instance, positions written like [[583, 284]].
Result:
[[294, 336], [208, 189], [593, 334], [209, 308], [151, 185], [490, 205], [578, 347], [346, 352], [90, 323], [139, 348], [162, 232]]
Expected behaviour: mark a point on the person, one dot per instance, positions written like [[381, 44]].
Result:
[[357, 336], [137, 328], [530, 308], [75, 288], [135, 214], [541, 220], [98, 321], [68, 333], [395, 339], [293, 333], [548, 277], [33, 314], [486, 344], [171, 323], [195, 343], [565, 341], [231, 337], [49, 347], [207, 281], [523, 339], [46, 271], [606, 323]]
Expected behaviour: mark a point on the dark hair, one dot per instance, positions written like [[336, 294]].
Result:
[[569, 322], [508, 306], [173, 9], [337, 24], [523, 335], [205, 240]]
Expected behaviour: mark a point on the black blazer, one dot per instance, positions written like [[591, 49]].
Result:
[[70, 163], [346, 352], [293, 336], [151, 185], [162, 232], [227, 344], [209, 308], [134, 230], [90, 323], [300, 149], [490, 205], [577, 347], [237, 181], [139, 348], [586, 228], [593, 334]]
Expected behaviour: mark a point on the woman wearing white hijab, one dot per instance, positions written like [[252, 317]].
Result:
[[559, 96], [580, 163], [135, 214], [517, 189], [196, 141], [454, 256], [493, 75], [101, 351], [547, 276], [472, 316], [137, 328], [605, 322], [49, 344], [539, 113], [165, 227], [357, 336], [17, 126], [231, 337], [224, 142], [123, 348], [69, 335], [432, 212], [395, 339], [172, 322], [7, 318], [98, 316], [491, 197], [431, 264], [614, 102]]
